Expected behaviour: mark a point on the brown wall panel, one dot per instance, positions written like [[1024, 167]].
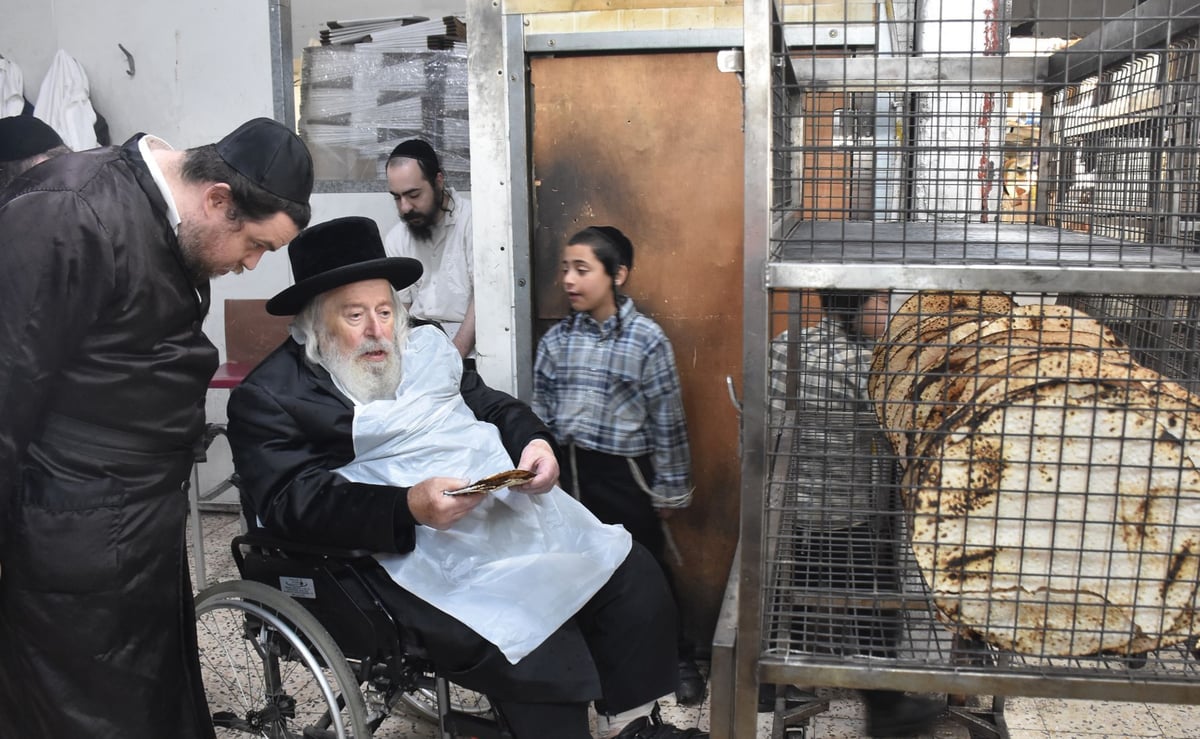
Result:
[[652, 144], [250, 332]]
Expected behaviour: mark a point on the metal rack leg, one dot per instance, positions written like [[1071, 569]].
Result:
[[982, 722], [793, 711]]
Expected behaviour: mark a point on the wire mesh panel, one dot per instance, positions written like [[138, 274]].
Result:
[[1002, 482], [834, 522], [1050, 476], [975, 126], [1005, 469]]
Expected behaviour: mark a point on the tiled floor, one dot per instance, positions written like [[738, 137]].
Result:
[[1026, 718], [1031, 718]]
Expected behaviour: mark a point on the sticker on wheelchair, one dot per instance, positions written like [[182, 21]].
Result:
[[494, 482], [298, 587]]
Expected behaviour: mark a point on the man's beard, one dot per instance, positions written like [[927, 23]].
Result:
[[419, 232], [193, 245], [421, 222], [366, 381]]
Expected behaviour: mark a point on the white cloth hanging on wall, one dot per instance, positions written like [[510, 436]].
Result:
[[64, 102], [12, 89]]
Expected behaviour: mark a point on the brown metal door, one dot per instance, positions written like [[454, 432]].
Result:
[[652, 143]]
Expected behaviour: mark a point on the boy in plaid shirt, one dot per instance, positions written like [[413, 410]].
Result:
[[605, 383]]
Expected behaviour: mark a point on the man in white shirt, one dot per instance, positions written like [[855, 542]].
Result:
[[435, 229]]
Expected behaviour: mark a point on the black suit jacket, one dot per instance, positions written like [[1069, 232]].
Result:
[[290, 427]]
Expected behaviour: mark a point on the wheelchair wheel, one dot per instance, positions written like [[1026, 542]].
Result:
[[271, 670], [424, 701]]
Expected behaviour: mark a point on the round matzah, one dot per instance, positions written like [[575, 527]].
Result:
[[999, 415], [1104, 487], [924, 306], [929, 303], [916, 397]]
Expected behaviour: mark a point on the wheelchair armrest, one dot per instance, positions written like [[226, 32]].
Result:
[[287, 546], [212, 431]]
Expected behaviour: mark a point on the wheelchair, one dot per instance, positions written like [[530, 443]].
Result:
[[302, 648]]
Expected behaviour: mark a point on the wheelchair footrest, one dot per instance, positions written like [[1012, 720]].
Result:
[[468, 726]]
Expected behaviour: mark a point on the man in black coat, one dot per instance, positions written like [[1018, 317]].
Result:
[[105, 257], [24, 142], [351, 433]]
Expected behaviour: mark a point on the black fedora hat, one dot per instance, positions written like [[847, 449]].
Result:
[[336, 253]]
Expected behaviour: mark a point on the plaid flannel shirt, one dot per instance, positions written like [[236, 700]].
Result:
[[613, 388]]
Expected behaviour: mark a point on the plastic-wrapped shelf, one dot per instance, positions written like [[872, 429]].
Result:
[[356, 104]]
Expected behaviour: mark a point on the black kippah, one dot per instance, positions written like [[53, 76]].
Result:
[[23, 136], [271, 156], [419, 150]]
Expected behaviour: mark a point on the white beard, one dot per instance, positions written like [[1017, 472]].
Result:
[[366, 381]]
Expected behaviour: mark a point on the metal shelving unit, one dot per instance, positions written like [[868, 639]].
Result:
[[949, 155]]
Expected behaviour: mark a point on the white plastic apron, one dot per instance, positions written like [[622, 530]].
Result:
[[515, 568]]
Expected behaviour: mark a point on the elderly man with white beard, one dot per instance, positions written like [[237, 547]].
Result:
[[351, 433]]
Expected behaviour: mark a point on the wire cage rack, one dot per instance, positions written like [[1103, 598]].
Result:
[[973, 351]]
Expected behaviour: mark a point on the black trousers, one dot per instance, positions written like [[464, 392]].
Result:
[[616, 651], [609, 490]]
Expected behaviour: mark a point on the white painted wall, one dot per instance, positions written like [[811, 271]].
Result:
[[200, 68]]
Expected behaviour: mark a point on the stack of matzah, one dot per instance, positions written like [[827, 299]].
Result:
[[1052, 480]]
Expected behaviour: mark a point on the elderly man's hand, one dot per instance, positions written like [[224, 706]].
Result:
[[429, 505], [538, 457]]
